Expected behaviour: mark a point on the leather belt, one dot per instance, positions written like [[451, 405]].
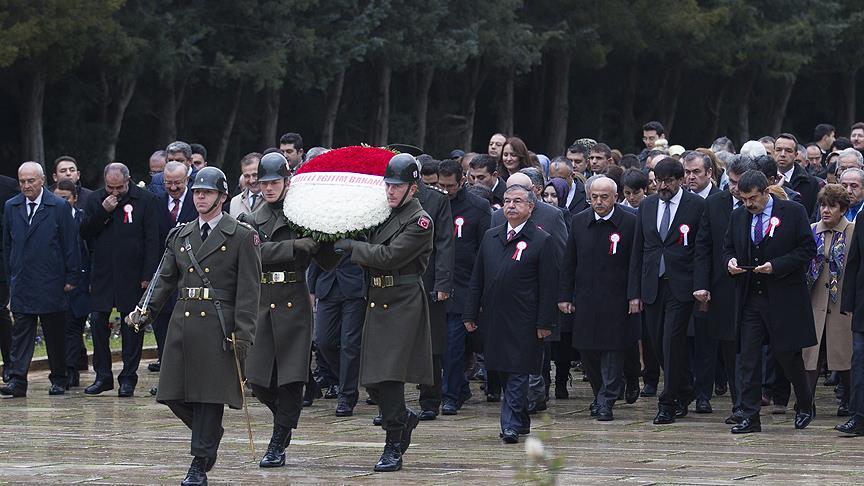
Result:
[[203, 293], [385, 281], [282, 277]]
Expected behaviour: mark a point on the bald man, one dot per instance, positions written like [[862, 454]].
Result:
[[40, 251]]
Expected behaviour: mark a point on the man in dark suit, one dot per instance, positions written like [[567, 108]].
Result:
[[768, 249], [785, 150], [576, 199], [596, 262], [121, 227], [470, 222], [715, 288], [176, 206], [483, 169], [66, 167], [40, 253], [177, 151], [661, 279], [8, 188], [438, 281], [514, 281], [853, 302]]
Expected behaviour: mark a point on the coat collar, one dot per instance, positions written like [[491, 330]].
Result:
[[840, 228], [527, 233], [397, 219]]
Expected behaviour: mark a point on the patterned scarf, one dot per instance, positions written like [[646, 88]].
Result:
[[836, 261]]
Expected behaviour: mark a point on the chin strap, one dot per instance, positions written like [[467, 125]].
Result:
[[405, 196]]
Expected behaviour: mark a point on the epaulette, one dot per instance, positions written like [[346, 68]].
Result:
[[442, 191], [173, 231], [246, 225]]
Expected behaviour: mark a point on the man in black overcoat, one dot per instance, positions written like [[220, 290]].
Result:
[[514, 281], [121, 226], [768, 249], [596, 263], [661, 279], [853, 302]]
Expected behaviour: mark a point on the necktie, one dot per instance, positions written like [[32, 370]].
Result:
[[175, 210], [737, 204], [758, 232], [205, 230], [254, 198], [511, 234], [32, 206], [664, 230]]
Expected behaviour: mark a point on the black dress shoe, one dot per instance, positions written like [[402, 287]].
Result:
[[154, 391], [344, 408], [649, 390], [391, 458], [449, 409], [843, 410], [411, 421], [154, 367], [73, 378], [853, 426], [56, 390], [631, 392], [604, 414], [682, 409], [331, 392], [803, 419], [428, 415], [370, 401], [126, 390], [196, 475], [720, 389], [561, 392], [493, 397], [703, 406], [310, 393], [377, 420], [13, 391], [832, 380], [593, 408], [664, 417], [510, 436], [524, 431], [98, 387], [736, 418], [747, 426], [6, 376], [537, 406]]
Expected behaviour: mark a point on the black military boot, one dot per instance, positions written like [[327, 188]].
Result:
[[411, 421], [196, 475], [391, 458], [275, 455]]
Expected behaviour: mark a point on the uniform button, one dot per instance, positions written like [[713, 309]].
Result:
[[372, 304], [206, 269], [386, 306], [203, 314], [182, 249], [223, 248], [272, 306], [191, 269], [290, 305], [186, 314]]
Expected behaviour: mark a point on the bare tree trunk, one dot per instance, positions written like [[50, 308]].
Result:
[[381, 120], [716, 110], [474, 80], [668, 100], [228, 127], [556, 134], [270, 116], [30, 105], [125, 90], [628, 121], [421, 103], [172, 100], [505, 104], [779, 111], [847, 100], [742, 105], [536, 121], [334, 97]]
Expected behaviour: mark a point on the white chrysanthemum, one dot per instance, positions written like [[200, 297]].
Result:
[[336, 203], [534, 449]]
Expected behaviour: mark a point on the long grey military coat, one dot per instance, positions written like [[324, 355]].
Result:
[[397, 342], [196, 367]]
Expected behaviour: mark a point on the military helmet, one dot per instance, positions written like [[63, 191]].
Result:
[[211, 178], [273, 166], [402, 169]]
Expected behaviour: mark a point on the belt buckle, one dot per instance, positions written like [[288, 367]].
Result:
[[277, 277], [389, 281], [205, 294], [376, 282], [291, 277], [193, 293]]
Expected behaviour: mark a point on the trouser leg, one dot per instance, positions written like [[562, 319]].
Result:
[[793, 367], [537, 383], [181, 410], [100, 328], [591, 365], [705, 360], [390, 396], [5, 326], [729, 351], [23, 343], [514, 402], [667, 323], [430, 395], [206, 429], [632, 366], [753, 334], [650, 358], [454, 383], [133, 343], [856, 397], [611, 371], [54, 332], [353, 315], [289, 404], [74, 331]]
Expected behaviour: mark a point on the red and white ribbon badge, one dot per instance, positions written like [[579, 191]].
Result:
[[614, 238], [127, 218], [458, 222], [773, 223], [520, 247], [684, 230]]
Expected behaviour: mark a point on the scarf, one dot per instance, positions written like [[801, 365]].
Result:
[[836, 261]]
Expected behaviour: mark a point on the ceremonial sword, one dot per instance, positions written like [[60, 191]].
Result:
[[243, 395], [148, 294]]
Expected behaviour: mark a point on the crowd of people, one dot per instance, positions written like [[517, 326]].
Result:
[[721, 270]]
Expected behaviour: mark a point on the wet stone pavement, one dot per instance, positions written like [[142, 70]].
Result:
[[109, 440]]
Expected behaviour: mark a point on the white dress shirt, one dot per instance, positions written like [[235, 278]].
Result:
[[673, 208]]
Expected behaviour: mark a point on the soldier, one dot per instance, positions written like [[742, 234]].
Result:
[[397, 344], [215, 264], [278, 364]]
